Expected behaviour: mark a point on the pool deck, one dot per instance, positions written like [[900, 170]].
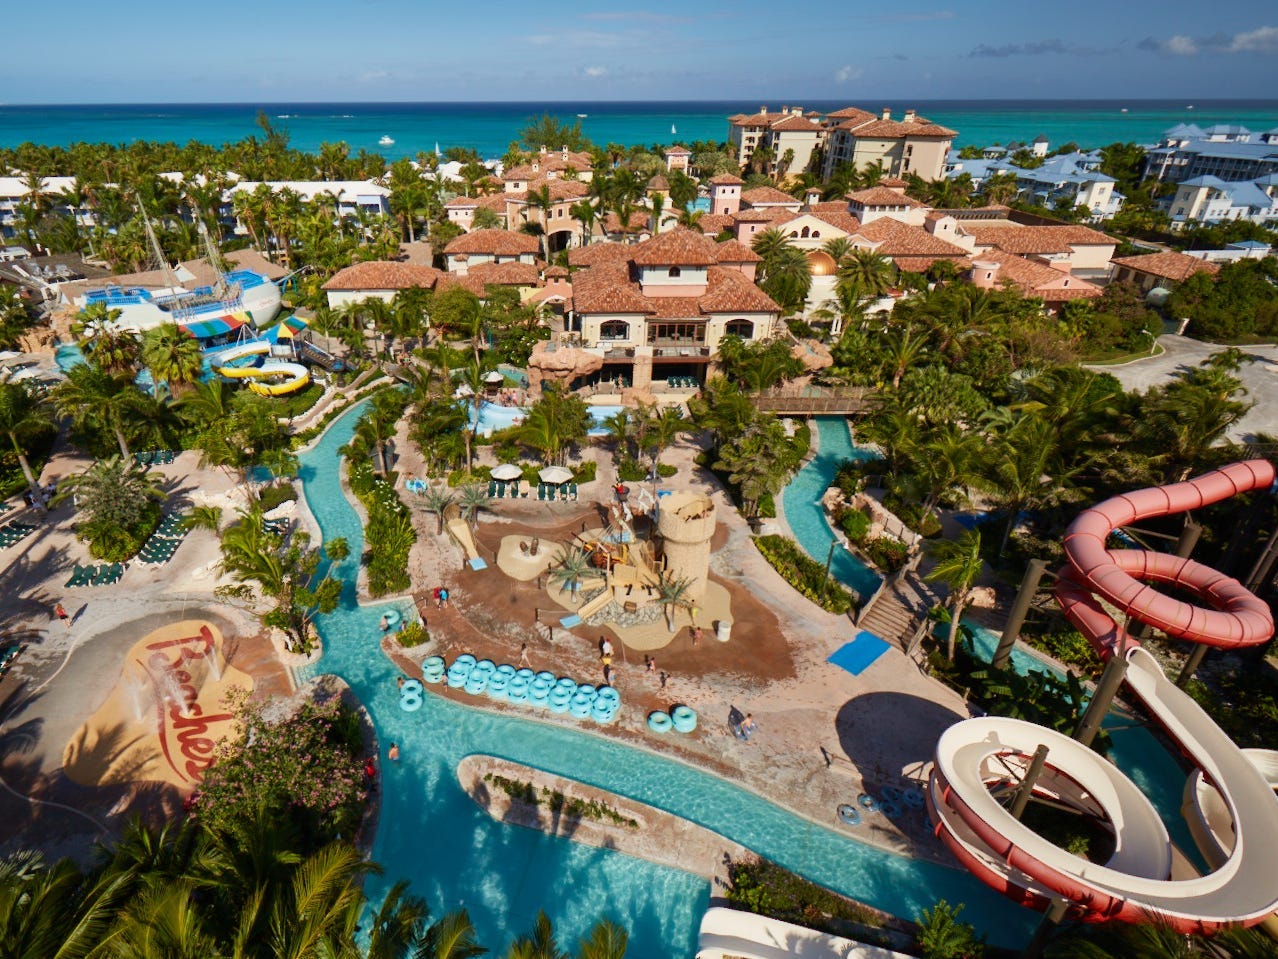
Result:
[[824, 737]]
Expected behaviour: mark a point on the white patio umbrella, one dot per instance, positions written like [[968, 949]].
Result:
[[494, 377], [555, 475], [27, 373], [506, 471]]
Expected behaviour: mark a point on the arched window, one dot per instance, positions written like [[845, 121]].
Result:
[[614, 330], [816, 234], [794, 234], [741, 328], [805, 232], [674, 271]]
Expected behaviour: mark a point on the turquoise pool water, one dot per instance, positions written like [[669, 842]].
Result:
[[801, 501], [494, 416], [454, 855]]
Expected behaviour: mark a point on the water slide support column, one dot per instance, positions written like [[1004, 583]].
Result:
[[1103, 698], [1051, 919], [1024, 596]]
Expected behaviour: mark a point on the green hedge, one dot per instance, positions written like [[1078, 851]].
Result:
[[804, 573], [765, 888]]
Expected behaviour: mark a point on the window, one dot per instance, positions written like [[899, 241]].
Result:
[[741, 328], [805, 232], [674, 272], [794, 234], [614, 330], [816, 234], [676, 333]]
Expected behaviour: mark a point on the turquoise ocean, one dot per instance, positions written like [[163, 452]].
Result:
[[490, 127]]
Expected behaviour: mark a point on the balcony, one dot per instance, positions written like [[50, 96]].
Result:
[[665, 348]]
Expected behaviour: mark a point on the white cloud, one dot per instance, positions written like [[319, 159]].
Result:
[[1181, 46], [846, 73], [1260, 40], [595, 71]]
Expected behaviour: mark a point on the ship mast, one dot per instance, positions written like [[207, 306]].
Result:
[[157, 254], [214, 258]]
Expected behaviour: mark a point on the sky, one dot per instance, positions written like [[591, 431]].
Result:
[[156, 51]]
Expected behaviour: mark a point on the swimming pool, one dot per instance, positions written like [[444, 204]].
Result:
[[494, 416], [801, 501], [454, 855]]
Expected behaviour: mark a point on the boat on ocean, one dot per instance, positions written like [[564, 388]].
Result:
[[673, 131], [582, 116], [386, 141], [1123, 110]]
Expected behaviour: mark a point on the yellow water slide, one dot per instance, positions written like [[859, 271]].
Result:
[[287, 377]]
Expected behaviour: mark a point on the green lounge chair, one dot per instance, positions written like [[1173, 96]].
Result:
[[80, 576], [492, 488], [572, 490]]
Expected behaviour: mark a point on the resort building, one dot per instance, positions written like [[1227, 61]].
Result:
[[350, 199], [1074, 249], [1227, 151], [377, 280], [1209, 199], [654, 312], [1165, 270], [678, 158], [791, 132], [912, 144], [57, 194], [489, 246], [1071, 178], [996, 269]]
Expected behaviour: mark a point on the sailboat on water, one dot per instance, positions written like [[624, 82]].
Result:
[[673, 131]]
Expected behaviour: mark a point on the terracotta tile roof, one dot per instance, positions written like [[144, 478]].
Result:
[[851, 113], [473, 283], [516, 173], [658, 182], [883, 196], [673, 307], [768, 195], [764, 214], [461, 202], [598, 253], [506, 274], [829, 206], [558, 189], [731, 292], [894, 238], [384, 275], [640, 222], [712, 224], [1038, 279], [1169, 266], [1015, 238], [921, 264], [495, 242], [607, 288], [555, 271], [726, 179], [935, 215], [752, 119], [730, 251], [678, 151], [793, 123], [894, 181], [839, 219], [677, 247], [898, 129]]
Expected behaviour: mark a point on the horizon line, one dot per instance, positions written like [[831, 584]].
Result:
[[577, 102]]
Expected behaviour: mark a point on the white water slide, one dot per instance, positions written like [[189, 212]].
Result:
[[1232, 807]]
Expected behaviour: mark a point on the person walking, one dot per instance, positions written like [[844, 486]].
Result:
[[605, 650], [523, 655], [60, 611]]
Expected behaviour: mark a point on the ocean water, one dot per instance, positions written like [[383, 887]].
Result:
[[490, 127]]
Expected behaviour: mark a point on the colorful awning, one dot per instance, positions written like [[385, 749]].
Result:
[[215, 326]]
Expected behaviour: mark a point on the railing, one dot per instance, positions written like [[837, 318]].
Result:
[[855, 400], [674, 349]]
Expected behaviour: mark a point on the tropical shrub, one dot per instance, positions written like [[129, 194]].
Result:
[[765, 888], [559, 804], [301, 767], [119, 502], [942, 936], [804, 573], [413, 634], [390, 526], [886, 553], [855, 524]]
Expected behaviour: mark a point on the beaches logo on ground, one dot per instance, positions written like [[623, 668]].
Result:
[[187, 733]]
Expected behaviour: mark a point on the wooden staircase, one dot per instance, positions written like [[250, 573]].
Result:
[[899, 609]]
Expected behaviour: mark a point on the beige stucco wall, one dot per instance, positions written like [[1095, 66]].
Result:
[[338, 298]]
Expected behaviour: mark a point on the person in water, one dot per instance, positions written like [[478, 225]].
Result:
[[393, 753]]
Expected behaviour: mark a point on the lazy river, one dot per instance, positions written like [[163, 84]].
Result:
[[455, 856]]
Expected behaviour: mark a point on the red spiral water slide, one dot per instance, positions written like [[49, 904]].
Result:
[[1135, 885]]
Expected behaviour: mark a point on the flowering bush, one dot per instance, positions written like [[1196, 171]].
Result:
[[304, 767]]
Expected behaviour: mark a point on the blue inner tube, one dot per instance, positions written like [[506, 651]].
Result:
[[476, 684], [684, 718], [433, 662], [505, 669], [558, 706], [525, 673], [457, 678], [606, 694], [411, 686], [486, 666], [498, 681], [498, 692], [868, 802], [393, 617], [465, 659], [890, 809], [579, 710], [848, 813], [516, 693], [587, 689], [566, 682], [891, 794], [410, 700], [913, 798], [548, 676], [559, 697], [538, 694], [660, 722]]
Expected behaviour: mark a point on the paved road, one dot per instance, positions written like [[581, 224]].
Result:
[[1259, 376]]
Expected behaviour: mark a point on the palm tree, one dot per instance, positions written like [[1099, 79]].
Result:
[[541, 200], [958, 565], [106, 345], [587, 214], [115, 495], [1023, 469], [472, 500], [675, 592], [452, 937], [571, 568], [607, 940], [663, 430], [437, 499], [173, 356], [98, 400], [538, 944], [901, 349], [844, 309], [24, 414], [871, 273]]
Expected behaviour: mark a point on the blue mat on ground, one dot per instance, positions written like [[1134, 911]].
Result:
[[568, 622], [478, 563], [857, 655]]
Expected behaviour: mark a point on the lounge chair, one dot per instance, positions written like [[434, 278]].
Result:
[[492, 488], [114, 572], [80, 575], [514, 490], [572, 490], [100, 574]]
